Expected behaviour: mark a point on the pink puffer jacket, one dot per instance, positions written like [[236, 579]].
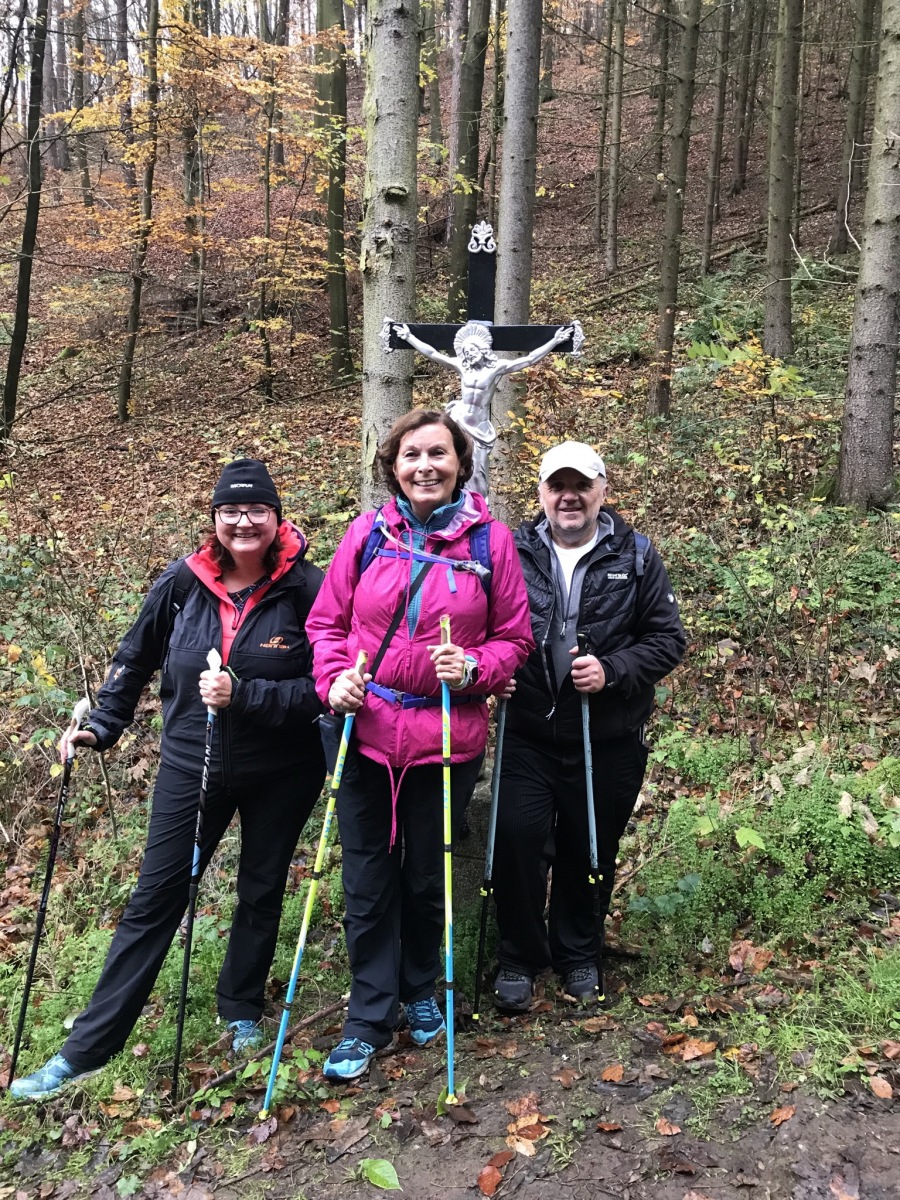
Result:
[[350, 615]]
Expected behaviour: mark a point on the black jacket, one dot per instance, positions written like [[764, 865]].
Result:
[[268, 727], [632, 625]]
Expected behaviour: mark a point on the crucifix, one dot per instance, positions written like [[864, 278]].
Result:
[[473, 345]]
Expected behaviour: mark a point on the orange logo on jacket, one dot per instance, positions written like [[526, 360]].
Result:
[[275, 643]]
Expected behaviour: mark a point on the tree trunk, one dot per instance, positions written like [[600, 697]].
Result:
[[865, 475], [496, 113], [388, 251], [778, 338], [611, 257], [858, 87], [61, 90], [282, 29], [78, 69], [432, 79], [30, 225], [145, 220], [332, 121], [663, 24], [518, 173], [603, 117], [659, 398], [459, 26], [715, 150], [126, 122], [465, 188], [545, 91]]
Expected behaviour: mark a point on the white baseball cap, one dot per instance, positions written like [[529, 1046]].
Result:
[[577, 455]]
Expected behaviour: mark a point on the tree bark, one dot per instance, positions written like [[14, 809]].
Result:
[[713, 175], [602, 122], [659, 398], [332, 121], [78, 101], [663, 22], [778, 337], [465, 186], [518, 174], [865, 469], [387, 259], [459, 27], [145, 216], [611, 257], [19, 335], [858, 87]]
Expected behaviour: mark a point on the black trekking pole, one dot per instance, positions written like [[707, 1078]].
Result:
[[487, 887], [214, 661], [595, 879], [79, 712]]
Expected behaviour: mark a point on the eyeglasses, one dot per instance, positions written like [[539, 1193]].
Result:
[[231, 515]]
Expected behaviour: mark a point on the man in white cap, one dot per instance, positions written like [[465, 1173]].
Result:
[[588, 573]]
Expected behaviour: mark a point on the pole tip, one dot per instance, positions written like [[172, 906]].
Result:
[[263, 1114]]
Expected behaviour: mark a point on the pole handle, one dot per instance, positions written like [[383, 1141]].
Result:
[[361, 659], [445, 629], [214, 662], [584, 646]]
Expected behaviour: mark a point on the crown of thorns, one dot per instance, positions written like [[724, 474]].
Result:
[[473, 332]]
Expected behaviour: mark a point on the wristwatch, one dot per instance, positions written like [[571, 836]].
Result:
[[470, 673]]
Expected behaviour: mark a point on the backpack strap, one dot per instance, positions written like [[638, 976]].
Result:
[[479, 548], [641, 546], [182, 586], [374, 541]]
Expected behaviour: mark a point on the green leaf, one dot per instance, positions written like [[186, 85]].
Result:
[[128, 1185], [749, 837], [705, 826], [380, 1172]]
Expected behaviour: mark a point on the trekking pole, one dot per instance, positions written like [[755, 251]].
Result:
[[595, 879], [448, 869], [79, 712], [336, 775], [214, 662], [487, 887]]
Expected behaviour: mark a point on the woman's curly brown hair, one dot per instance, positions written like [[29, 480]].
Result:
[[417, 419]]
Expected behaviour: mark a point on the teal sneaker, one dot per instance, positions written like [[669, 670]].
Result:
[[247, 1037], [425, 1020], [348, 1060], [48, 1081]]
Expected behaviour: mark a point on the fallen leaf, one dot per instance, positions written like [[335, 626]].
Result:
[[501, 1158], [331, 1106], [653, 998], [666, 1128], [141, 1050], [780, 1115], [521, 1146], [890, 1050], [613, 1073], [461, 1114], [881, 1087], [524, 1104], [598, 1025], [693, 1048], [694, 1195], [608, 1126], [567, 1077], [262, 1131], [489, 1179]]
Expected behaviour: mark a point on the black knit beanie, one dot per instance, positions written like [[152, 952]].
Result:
[[246, 481]]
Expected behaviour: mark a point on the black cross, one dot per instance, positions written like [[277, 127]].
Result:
[[480, 294]]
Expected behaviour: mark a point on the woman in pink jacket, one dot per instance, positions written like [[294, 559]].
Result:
[[385, 592]]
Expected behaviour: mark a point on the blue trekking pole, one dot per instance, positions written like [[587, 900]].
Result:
[[310, 899], [214, 662], [448, 869], [78, 714], [487, 887], [595, 879]]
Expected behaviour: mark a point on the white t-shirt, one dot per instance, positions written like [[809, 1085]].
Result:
[[570, 556]]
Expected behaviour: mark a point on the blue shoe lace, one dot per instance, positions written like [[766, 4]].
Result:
[[247, 1035]]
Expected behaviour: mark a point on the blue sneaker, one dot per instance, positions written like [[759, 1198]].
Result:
[[425, 1020], [247, 1036], [48, 1081], [348, 1060]]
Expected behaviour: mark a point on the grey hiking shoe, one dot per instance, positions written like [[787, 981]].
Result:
[[583, 983], [513, 990], [48, 1081]]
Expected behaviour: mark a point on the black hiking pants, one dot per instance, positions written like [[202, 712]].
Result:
[[394, 918], [273, 812], [542, 821]]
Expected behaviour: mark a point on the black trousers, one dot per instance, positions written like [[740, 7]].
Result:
[[394, 918], [542, 820], [273, 812]]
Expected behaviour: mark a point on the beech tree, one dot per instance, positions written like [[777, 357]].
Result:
[[660, 395], [778, 336], [865, 470], [388, 252], [851, 150], [515, 209], [30, 226]]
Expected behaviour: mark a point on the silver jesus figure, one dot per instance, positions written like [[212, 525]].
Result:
[[480, 372]]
